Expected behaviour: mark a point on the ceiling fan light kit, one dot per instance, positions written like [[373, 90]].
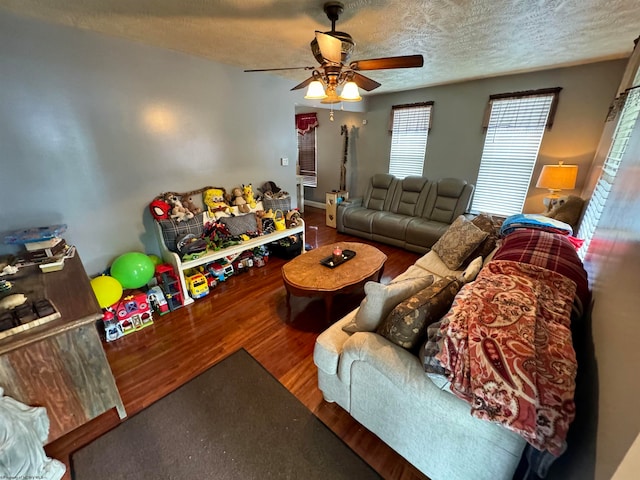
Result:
[[332, 50], [315, 91], [350, 92]]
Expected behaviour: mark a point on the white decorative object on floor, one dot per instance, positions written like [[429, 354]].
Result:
[[23, 432]]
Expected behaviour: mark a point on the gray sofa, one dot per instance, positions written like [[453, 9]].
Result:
[[385, 388], [411, 213]]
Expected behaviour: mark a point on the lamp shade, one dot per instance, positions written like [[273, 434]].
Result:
[[350, 93], [558, 177], [315, 91]]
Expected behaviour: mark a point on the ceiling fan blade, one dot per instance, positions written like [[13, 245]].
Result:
[[407, 61], [364, 82], [330, 47], [303, 84], [276, 69]]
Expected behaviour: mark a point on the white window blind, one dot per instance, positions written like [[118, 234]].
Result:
[[514, 133], [627, 119], [410, 127], [307, 158]]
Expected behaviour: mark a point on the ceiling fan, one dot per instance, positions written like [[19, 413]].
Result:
[[332, 50]]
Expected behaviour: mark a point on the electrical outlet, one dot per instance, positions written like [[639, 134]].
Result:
[[284, 161]]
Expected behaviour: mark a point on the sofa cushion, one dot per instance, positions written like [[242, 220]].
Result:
[[486, 223], [380, 300], [359, 219], [380, 192], [431, 262], [407, 323], [241, 224], [390, 225], [448, 198], [471, 272], [424, 233], [458, 242], [171, 229]]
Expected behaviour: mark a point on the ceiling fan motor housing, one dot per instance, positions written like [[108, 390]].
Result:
[[345, 51]]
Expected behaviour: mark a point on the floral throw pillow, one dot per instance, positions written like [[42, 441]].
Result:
[[458, 242]]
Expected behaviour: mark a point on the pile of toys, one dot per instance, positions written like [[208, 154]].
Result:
[[139, 285], [135, 286], [202, 279]]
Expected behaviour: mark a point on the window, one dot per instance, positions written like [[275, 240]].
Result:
[[307, 158], [306, 124], [630, 108], [514, 131], [409, 128]]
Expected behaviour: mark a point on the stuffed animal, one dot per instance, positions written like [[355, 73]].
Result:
[[568, 210], [213, 198], [159, 209], [178, 212], [187, 202], [238, 200], [247, 193]]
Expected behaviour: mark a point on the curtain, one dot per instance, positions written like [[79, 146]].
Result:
[[305, 122]]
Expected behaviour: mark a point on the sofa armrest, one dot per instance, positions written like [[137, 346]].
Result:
[[342, 208], [352, 202], [329, 345], [396, 363]]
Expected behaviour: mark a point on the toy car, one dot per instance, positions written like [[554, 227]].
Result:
[[197, 285]]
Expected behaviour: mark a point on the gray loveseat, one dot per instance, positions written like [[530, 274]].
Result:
[[411, 213]]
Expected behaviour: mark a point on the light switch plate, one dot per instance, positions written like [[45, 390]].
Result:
[[284, 161]]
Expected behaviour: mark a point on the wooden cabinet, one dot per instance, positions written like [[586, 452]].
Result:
[[61, 365]]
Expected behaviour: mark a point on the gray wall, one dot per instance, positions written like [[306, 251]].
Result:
[[330, 151], [455, 142], [613, 263], [93, 127]]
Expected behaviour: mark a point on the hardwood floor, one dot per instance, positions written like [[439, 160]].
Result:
[[248, 311]]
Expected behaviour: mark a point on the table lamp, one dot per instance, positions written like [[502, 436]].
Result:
[[556, 178]]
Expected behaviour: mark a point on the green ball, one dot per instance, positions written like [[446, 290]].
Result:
[[133, 269]]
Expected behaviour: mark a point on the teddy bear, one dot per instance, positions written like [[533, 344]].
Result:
[[567, 209], [247, 193], [238, 200], [188, 203], [178, 212]]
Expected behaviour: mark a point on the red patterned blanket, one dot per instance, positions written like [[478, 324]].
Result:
[[507, 350]]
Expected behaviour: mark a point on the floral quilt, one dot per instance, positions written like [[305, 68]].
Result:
[[507, 350]]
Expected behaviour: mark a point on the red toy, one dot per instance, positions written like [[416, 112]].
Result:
[[159, 209], [133, 311], [170, 284]]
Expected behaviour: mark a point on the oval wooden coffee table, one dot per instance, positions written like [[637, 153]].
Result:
[[305, 276]]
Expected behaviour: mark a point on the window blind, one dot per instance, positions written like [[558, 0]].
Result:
[[410, 127], [512, 142], [307, 158], [621, 135]]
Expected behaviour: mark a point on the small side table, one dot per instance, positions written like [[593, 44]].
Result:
[[332, 200]]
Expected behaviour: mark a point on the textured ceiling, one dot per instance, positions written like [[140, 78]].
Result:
[[460, 39]]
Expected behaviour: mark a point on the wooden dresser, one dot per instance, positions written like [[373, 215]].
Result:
[[61, 365]]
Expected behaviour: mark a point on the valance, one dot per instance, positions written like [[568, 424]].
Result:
[[529, 93], [305, 122]]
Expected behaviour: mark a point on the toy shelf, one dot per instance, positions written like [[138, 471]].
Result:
[[174, 259]]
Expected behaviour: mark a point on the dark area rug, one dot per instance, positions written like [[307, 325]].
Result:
[[234, 421]]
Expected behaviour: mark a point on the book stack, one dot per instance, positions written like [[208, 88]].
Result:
[[43, 245], [44, 249]]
